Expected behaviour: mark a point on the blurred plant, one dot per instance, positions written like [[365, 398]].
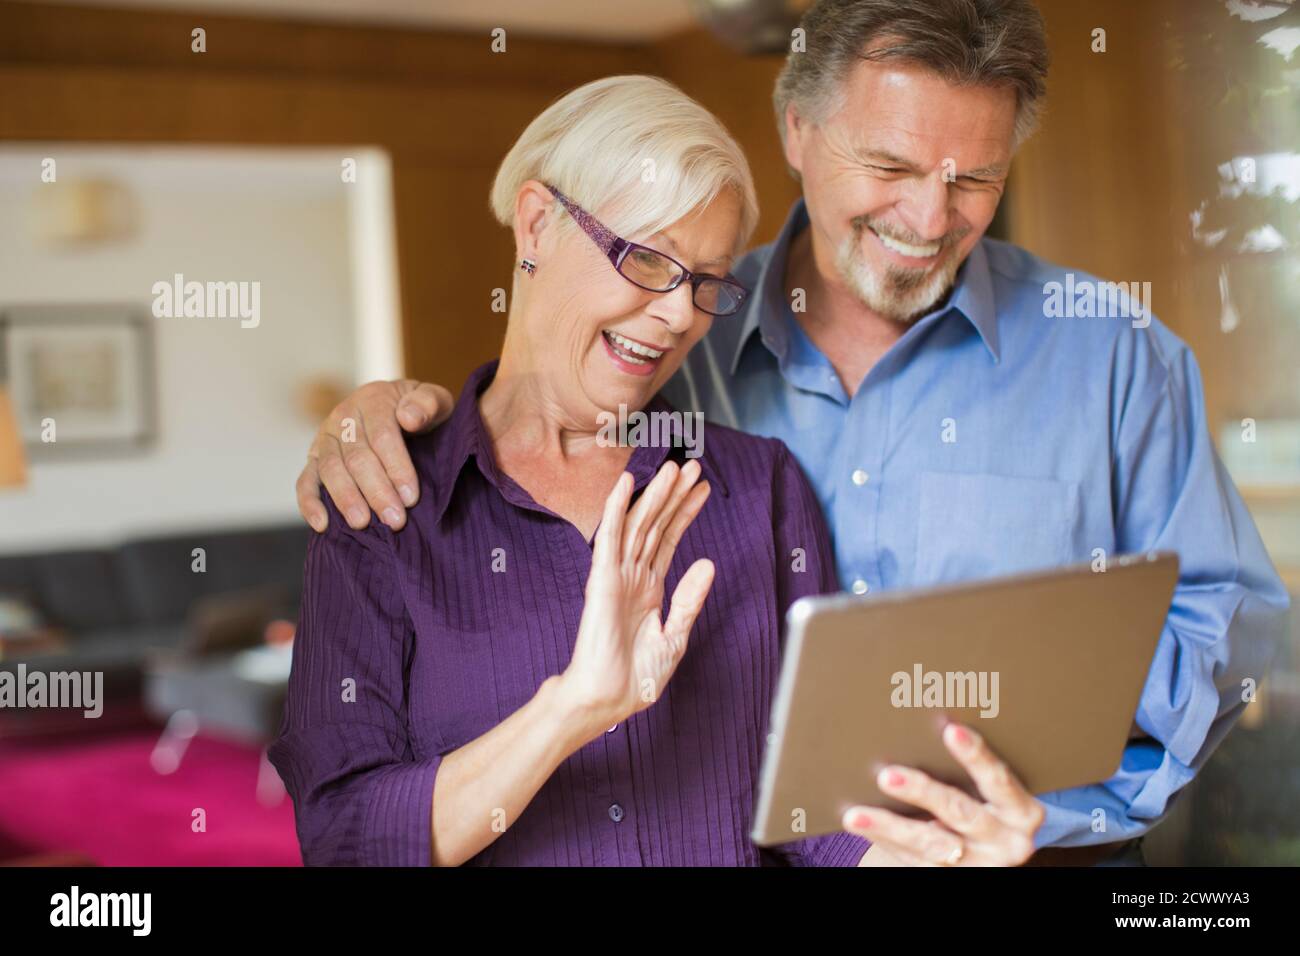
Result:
[[1239, 70]]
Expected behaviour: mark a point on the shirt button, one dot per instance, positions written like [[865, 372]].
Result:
[[860, 586], [860, 477], [615, 812]]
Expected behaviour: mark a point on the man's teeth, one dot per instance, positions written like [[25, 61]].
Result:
[[903, 248], [630, 351]]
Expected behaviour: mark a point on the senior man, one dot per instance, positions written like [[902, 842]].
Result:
[[953, 426]]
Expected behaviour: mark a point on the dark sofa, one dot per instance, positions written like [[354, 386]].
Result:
[[119, 605]]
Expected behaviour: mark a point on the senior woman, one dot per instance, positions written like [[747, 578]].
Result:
[[457, 694]]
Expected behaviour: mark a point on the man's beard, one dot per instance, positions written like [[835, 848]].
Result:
[[900, 294]]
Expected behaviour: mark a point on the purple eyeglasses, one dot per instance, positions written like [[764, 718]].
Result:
[[652, 270]]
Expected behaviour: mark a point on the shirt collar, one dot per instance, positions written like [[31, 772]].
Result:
[[972, 295], [973, 298], [767, 305], [464, 435]]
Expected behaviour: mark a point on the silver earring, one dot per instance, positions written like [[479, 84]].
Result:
[[528, 265]]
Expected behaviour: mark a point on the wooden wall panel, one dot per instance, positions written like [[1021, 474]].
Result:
[[444, 106], [457, 269], [43, 34], [739, 90], [1093, 188]]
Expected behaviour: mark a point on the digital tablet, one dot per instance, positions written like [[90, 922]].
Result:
[[1047, 666]]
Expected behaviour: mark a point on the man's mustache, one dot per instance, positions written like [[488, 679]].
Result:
[[948, 240]]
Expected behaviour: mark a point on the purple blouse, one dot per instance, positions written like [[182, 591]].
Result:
[[413, 643]]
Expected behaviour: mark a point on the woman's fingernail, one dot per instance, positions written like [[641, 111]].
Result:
[[892, 778], [407, 493], [960, 735], [357, 517], [392, 517], [861, 821]]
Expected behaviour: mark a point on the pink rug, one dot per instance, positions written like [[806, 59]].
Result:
[[101, 798]]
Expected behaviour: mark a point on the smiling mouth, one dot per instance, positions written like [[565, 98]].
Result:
[[925, 250], [631, 351]]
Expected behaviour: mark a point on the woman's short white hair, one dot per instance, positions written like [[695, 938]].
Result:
[[634, 151]]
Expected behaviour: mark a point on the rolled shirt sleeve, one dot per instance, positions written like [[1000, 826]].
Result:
[[1171, 492], [805, 565], [361, 793]]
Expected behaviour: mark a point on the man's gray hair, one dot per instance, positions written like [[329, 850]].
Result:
[[967, 42]]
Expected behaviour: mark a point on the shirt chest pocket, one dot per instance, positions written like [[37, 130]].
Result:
[[983, 525]]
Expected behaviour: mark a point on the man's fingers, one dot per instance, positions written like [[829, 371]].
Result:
[[424, 407], [686, 479], [400, 486], [336, 478], [926, 840], [688, 599], [681, 520], [956, 810], [361, 458], [310, 506], [367, 473], [999, 786]]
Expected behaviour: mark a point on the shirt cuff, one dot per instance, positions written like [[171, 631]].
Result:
[[836, 849], [398, 823]]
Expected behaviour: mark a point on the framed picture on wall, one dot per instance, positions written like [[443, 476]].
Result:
[[80, 377]]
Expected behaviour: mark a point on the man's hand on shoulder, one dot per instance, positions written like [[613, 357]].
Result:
[[360, 456]]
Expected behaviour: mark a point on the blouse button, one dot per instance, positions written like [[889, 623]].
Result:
[[615, 812]]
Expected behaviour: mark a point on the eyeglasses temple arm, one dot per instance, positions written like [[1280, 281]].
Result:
[[609, 243]]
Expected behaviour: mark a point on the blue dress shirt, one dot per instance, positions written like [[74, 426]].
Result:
[[991, 439]]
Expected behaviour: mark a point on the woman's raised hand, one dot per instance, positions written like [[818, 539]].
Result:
[[625, 654]]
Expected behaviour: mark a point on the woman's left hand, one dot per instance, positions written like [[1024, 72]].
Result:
[[964, 832]]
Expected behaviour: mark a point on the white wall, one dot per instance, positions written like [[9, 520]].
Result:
[[230, 437]]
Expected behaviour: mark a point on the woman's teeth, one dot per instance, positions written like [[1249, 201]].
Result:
[[905, 249], [630, 351]]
